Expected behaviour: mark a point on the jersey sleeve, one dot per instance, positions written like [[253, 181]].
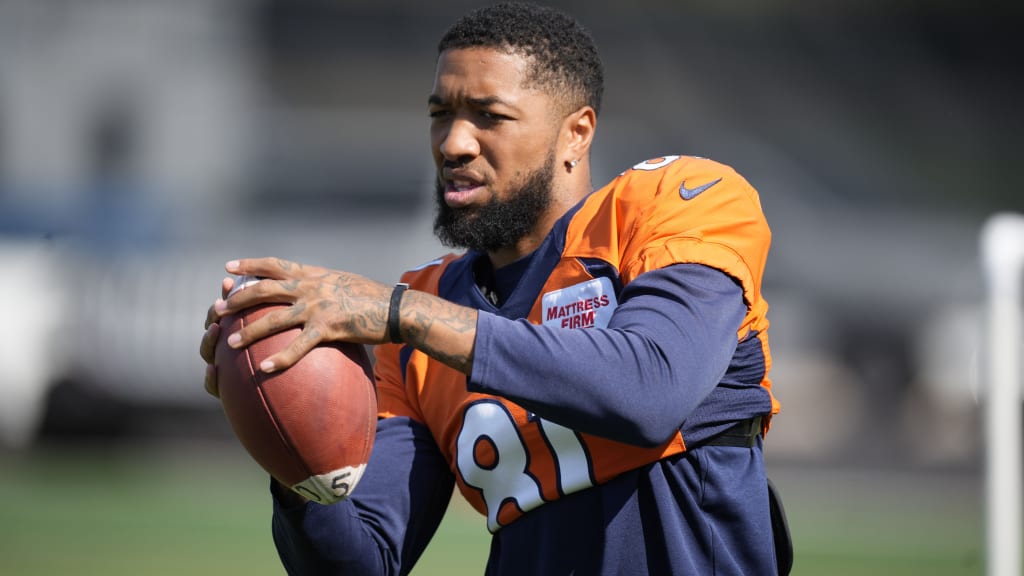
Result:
[[692, 211], [684, 209], [679, 210]]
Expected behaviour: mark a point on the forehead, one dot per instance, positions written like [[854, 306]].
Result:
[[481, 73]]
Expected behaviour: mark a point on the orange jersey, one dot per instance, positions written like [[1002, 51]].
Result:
[[663, 212]]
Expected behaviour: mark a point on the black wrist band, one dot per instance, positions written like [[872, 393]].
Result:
[[394, 319]]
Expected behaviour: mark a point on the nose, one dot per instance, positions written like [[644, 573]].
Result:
[[457, 141]]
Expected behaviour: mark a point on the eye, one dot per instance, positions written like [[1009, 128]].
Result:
[[492, 116]]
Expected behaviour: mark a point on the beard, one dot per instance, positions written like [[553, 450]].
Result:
[[498, 223]]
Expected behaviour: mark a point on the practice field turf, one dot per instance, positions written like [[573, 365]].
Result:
[[204, 510]]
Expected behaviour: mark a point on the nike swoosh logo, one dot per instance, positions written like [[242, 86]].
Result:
[[691, 193]]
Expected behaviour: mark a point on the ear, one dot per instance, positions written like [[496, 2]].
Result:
[[578, 130]]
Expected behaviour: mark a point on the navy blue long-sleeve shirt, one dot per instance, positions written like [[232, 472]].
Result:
[[615, 354], [388, 521]]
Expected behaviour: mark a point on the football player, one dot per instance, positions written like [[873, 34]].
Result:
[[591, 371]]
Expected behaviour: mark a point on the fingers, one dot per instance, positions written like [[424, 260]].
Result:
[[208, 345], [207, 349], [274, 268], [328, 305], [212, 316], [261, 292], [299, 347], [270, 323], [210, 382]]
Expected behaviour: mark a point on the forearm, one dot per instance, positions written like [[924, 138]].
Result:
[[389, 519], [442, 330], [667, 346]]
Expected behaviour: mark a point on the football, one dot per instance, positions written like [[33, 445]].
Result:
[[310, 426]]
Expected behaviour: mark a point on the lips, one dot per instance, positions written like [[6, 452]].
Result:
[[461, 189]]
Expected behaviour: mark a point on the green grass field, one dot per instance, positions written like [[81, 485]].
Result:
[[205, 510]]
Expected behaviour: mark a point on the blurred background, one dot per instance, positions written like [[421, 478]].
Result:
[[143, 143]]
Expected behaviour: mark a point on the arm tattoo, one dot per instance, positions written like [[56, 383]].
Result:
[[435, 328]]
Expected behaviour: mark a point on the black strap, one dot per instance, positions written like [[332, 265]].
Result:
[[743, 434], [394, 306]]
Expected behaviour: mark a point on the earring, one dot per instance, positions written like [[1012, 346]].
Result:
[[571, 164]]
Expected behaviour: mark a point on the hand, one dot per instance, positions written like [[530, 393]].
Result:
[[208, 345], [328, 305]]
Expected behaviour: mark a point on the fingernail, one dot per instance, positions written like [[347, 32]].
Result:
[[231, 266], [234, 340], [267, 366], [219, 305]]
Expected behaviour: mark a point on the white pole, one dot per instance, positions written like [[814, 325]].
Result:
[[1002, 247]]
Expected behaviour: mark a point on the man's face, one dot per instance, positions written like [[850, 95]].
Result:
[[493, 145]]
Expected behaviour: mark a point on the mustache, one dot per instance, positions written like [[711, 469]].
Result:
[[460, 163]]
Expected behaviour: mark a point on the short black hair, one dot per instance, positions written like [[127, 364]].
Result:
[[565, 61]]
